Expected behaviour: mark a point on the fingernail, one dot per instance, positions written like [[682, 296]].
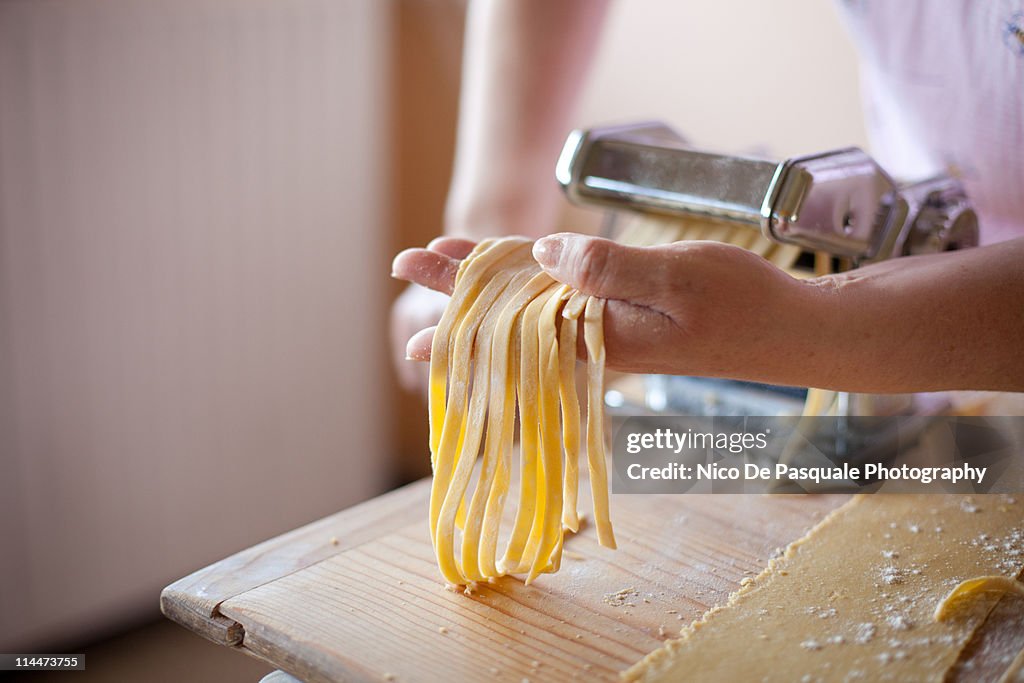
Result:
[[394, 263], [548, 250]]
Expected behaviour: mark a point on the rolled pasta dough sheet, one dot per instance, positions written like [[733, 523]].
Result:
[[854, 599]]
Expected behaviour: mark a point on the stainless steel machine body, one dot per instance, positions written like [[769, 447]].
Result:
[[839, 202]]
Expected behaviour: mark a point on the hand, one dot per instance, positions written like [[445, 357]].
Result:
[[695, 308], [422, 303]]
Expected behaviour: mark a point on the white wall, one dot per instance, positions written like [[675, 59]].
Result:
[[191, 252]]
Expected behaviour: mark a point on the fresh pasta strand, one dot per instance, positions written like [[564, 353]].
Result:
[[570, 413], [478, 264], [499, 394], [529, 424], [503, 440], [593, 320], [508, 338], [649, 229], [452, 474], [547, 535]]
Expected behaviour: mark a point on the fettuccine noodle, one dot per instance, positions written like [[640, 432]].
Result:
[[508, 339]]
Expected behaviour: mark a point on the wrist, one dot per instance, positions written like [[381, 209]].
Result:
[[821, 332], [798, 333], [500, 210]]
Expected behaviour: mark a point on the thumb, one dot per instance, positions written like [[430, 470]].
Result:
[[600, 267]]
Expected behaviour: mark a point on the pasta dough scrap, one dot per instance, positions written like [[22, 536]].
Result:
[[508, 339], [854, 599], [966, 591]]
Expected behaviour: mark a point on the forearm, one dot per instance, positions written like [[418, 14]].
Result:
[[928, 323], [523, 67]]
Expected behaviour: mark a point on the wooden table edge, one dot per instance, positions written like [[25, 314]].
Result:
[[194, 600]]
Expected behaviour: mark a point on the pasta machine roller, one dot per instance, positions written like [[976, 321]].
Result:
[[839, 202]]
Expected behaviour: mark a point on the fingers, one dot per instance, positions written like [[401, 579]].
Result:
[[427, 268], [627, 351], [632, 278], [603, 268], [434, 267], [636, 335], [455, 247], [418, 347], [414, 309]]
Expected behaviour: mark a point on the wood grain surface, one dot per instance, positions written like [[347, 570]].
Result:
[[194, 600], [357, 596]]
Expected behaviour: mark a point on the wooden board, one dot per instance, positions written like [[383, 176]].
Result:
[[357, 595]]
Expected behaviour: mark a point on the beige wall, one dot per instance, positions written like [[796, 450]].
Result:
[[732, 75], [426, 55], [192, 252]]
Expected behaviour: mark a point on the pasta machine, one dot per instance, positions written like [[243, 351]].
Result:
[[840, 202], [839, 205]]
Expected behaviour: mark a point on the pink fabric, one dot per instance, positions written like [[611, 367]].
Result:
[[943, 88]]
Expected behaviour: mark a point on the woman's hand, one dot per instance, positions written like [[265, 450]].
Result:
[[415, 308], [419, 307], [696, 308]]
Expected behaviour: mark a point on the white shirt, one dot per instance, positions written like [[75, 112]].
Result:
[[943, 89]]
